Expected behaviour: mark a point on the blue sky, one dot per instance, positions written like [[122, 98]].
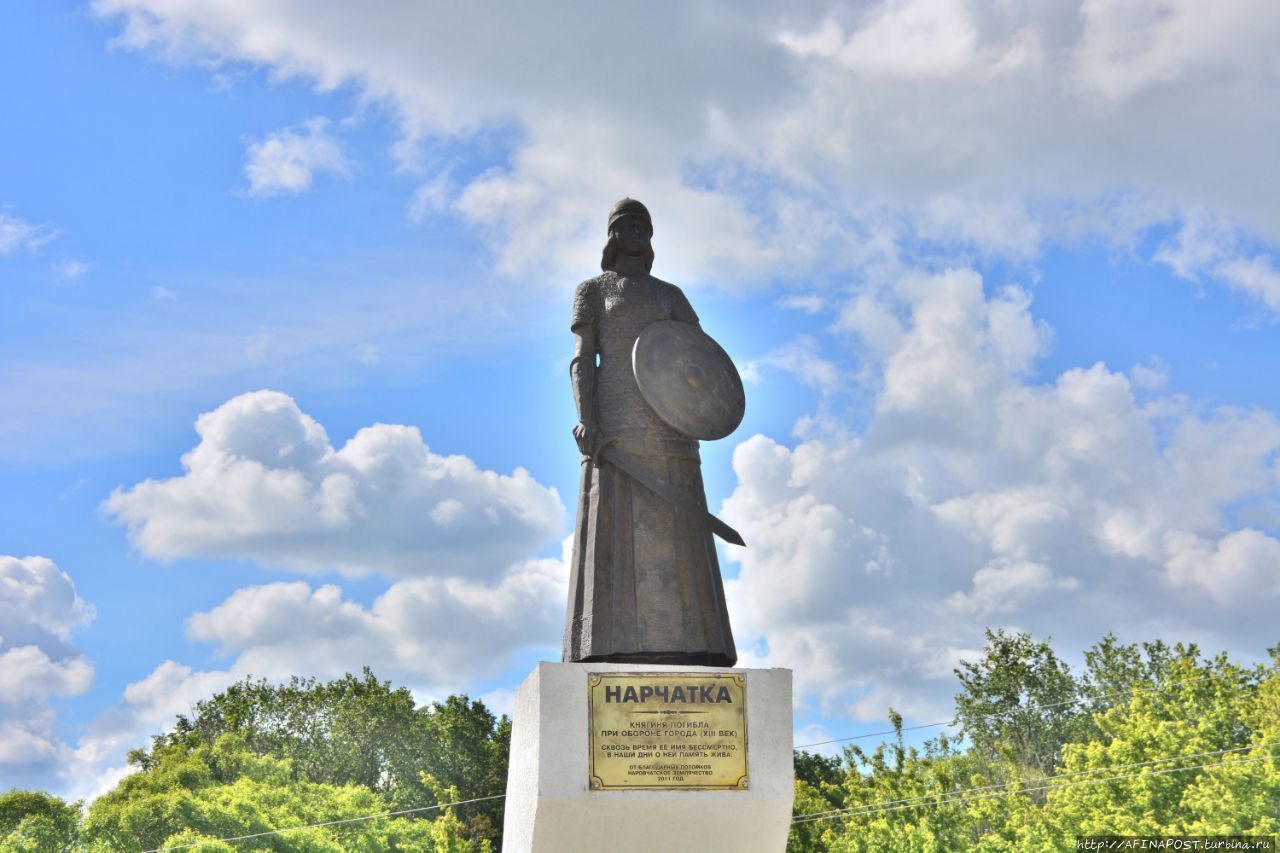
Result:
[[284, 292]]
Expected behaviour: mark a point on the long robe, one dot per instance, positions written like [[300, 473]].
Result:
[[645, 582]]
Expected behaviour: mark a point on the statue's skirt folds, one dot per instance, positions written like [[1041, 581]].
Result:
[[645, 582]]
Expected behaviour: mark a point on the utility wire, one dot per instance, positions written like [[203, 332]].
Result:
[[948, 801], [955, 720], [939, 798], [949, 797], [327, 823], [1148, 763]]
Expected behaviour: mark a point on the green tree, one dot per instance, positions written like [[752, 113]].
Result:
[[352, 731], [896, 799], [36, 821], [465, 754], [1111, 771], [225, 790], [1114, 670], [819, 788], [1213, 711], [1019, 703]]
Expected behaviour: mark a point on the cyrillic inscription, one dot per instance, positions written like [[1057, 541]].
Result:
[[667, 730]]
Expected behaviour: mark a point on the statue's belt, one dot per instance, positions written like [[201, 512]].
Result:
[[609, 452]]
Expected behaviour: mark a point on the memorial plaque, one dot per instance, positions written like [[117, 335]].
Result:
[[667, 730]]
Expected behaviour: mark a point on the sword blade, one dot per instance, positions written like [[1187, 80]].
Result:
[[669, 493]]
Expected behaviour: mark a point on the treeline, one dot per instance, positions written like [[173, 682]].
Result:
[[1148, 739], [1040, 755], [261, 757]]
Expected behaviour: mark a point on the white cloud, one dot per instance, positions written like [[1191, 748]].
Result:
[[809, 303], [432, 197], [800, 358], [1256, 277], [915, 38], [1206, 247], [1152, 376], [27, 673], [19, 235], [1007, 586], [38, 600], [1130, 46], [39, 610], [961, 346], [438, 635], [148, 707], [777, 140], [1200, 245], [977, 497], [265, 484], [435, 635], [284, 162], [1004, 229], [71, 268], [1241, 565]]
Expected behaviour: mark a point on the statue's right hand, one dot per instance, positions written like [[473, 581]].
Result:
[[587, 437]]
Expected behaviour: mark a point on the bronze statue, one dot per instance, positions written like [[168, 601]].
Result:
[[645, 582]]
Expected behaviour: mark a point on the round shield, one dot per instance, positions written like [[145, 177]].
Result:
[[688, 380]]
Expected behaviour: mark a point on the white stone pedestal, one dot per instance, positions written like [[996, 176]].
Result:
[[550, 807]]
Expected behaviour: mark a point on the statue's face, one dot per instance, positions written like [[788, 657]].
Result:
[[633, 235]]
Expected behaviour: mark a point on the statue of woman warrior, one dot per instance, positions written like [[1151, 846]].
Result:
[[645, 585]]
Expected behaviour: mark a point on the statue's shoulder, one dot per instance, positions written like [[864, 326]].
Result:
[[592, 285], [597, 280], [665, 285], [587, 299], [675, 301]]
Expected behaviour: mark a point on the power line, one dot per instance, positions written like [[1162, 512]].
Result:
[[955, 720], [949, 797], [1075, 773], [328, 823], [950, 722], [950, 800], [939, 798]]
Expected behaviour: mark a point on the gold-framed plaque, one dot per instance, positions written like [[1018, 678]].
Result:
[[668, 730]]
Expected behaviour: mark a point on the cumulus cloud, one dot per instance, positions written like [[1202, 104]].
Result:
[[39, 610], [435, 635], [38, 602], [772, 141], [1206, 247], [148, 707], [284, 162], [977, 496], [801, 359], [1238, 566], [28, 673], [1131, 46], [265, 484], [1256, 277], [19, 235]]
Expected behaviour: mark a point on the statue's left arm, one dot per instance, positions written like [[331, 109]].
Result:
[[681, 310], [582, 370], [582, 375]]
